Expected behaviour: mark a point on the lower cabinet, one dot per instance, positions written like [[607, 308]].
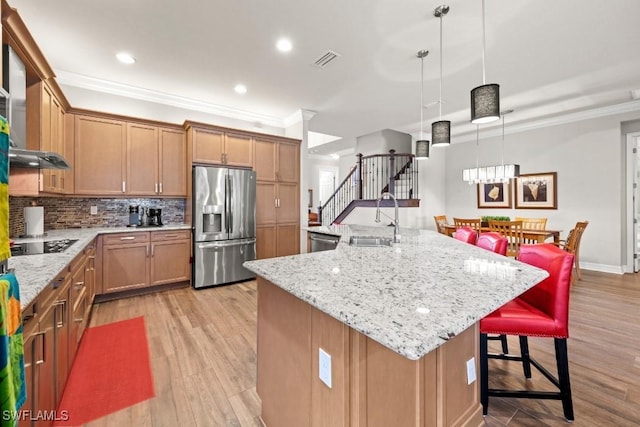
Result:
[[78, 303], [53, 323], [144, 259], [46, 348], [277, 240]]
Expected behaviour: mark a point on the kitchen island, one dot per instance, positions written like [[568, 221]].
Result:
[[399, 323]]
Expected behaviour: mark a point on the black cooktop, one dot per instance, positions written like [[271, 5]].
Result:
[[48, 247]]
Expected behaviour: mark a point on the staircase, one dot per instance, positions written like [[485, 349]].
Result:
[[371, 176]]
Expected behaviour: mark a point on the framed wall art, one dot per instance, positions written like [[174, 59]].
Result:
[[495, 195], [537, 191]]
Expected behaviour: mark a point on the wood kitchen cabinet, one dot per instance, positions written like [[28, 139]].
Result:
[[115, 157], [277, 169], [215, 146], [170, 254], [277, 219], [156, 161], [46, 131], [46, 345], [78, 303], [125, 262], [277, 161], [145, 259], [100, 146]]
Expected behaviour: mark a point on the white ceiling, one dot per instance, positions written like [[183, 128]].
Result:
[[549, 57]]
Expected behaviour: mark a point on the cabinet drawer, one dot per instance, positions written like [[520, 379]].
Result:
[[122, 238], [157, 236], [32, 312]]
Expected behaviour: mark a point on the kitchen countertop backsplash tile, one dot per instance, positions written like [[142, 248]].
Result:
[[65, 213]]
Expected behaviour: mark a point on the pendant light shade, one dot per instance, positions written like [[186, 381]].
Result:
[[441, 130], [422, 145], [485, 99], [441, 133], [485, 104], [422, 149]]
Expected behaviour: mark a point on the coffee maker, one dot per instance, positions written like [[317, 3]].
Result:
[[154, 217], [134, 215]]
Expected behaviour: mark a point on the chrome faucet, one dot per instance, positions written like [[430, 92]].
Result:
[[396, 225]]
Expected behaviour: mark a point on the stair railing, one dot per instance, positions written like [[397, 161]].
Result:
[[371, 176]]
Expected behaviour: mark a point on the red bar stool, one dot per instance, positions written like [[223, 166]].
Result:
[[493, 242], [466, 234], [542, 311]]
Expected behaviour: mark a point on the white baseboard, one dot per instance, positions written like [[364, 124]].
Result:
[[604, 268]]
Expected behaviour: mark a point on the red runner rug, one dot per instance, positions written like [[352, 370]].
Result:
[[111, 371]]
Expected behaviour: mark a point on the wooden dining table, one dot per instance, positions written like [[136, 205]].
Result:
[[539, 236]]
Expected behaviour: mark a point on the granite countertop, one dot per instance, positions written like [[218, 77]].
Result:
[[35, 272], [411, 297]]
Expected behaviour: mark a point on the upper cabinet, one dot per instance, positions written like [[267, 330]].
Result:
[[46, 131], [277, 160], [173, 163], [100, 146], [125, 158], [213, 146]]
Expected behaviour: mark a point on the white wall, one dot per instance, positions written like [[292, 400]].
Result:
[[382, 141], [589, 160], [313, 173]]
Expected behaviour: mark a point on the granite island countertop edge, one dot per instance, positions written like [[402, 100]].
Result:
[[385, 306]]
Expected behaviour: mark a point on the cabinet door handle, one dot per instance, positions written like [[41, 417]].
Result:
[[161, 188], [153, 249], [166, 236], [41, 360], [128, 238], [156, 188], [78, 284], [63, 304], [147, 251], [124, 187]]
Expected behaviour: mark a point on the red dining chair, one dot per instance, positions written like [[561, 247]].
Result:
[[493, 242], [542, 311], [466, 234]]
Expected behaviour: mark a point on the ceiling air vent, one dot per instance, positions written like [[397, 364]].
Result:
[[325, 58]]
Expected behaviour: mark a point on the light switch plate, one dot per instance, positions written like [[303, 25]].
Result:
[[471, 370], [94, 210], [324, 367]]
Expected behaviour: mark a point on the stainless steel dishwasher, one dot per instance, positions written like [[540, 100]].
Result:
[[323, 242]]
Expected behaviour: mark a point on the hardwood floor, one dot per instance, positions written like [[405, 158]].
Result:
[[203, 351]]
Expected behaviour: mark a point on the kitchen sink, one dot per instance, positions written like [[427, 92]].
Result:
[[370, 241]]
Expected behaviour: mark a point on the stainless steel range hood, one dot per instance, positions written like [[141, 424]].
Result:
[[14, 109], [21, 158]]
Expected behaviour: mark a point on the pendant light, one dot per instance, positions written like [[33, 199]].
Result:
[[485, 99], [491, 174], [422, 145], [440, 130]]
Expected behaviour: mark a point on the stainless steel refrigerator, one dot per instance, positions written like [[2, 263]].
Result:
[[224, 225]]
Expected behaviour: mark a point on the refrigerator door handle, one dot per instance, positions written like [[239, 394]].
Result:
[[230, 198], [213, 245]]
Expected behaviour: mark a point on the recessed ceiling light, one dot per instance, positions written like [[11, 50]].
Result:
[[284, 45], [335, 156], [241, 89], [125, 58]]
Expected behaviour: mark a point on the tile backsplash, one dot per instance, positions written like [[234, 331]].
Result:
[[70, 212]]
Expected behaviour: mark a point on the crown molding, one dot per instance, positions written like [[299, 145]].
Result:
[[594, 113], [119, 89]]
